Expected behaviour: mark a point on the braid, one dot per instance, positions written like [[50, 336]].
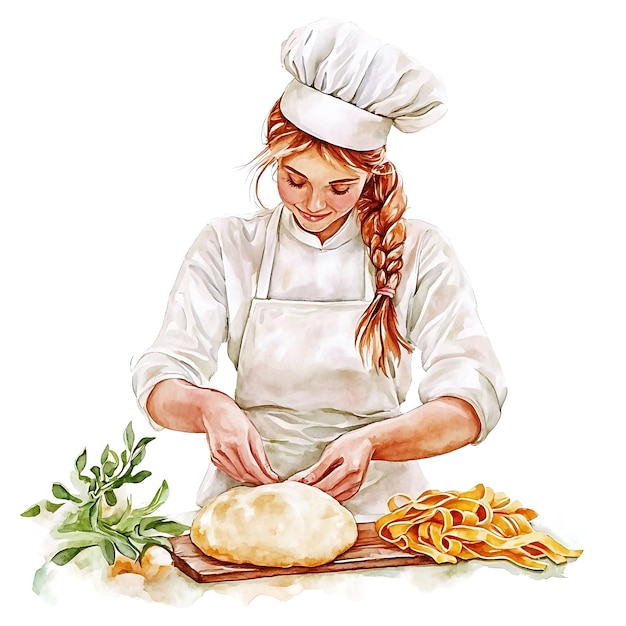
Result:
[[381, 207]]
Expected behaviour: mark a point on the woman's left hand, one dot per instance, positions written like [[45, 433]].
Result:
[[342, 466]]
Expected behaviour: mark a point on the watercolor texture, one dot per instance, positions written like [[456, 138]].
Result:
[[124, 131]]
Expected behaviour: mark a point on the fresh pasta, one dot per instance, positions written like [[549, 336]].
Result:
[[474, 524]]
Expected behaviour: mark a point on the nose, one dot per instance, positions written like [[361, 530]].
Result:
[[316, 202]]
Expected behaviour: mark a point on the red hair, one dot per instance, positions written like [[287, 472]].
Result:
[[380, 209]]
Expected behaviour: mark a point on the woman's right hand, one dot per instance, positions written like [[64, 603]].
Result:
[[236, 446]]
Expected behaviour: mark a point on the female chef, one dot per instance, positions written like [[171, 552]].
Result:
[[324, 300]]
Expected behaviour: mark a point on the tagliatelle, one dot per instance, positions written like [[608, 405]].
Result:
[[474, 524]]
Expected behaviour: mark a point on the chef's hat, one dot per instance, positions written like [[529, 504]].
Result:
[[350, 88]]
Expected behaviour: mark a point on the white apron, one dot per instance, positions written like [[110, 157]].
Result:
[[301, 382]]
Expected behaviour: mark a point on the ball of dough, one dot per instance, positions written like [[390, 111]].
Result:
[[277, 525]]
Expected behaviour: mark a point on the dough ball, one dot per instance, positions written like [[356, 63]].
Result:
[[278, 525]]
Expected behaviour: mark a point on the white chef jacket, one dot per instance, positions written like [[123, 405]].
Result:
[[211, 298]]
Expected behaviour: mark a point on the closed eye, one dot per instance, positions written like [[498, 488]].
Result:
[[340, 192], [293, 183]]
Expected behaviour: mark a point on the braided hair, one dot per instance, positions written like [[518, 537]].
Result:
[[380, 208]]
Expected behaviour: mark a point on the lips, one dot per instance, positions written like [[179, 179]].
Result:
[[310, 217]]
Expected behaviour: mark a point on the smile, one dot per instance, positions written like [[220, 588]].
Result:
[[310, 217]]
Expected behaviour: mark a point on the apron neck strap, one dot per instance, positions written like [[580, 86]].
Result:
[[269, 254]]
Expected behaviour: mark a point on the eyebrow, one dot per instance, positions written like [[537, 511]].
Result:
[[332, 182]]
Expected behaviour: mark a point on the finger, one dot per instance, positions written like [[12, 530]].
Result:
[[336, 484], [231, 465], [299, 476], [258, 454], [251, 466], [242, 467], [250, 470], [227, 459], [341, 478], [225, 465], [313, 474], [347, 494]]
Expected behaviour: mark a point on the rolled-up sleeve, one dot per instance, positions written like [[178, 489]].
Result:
[[195, 323], [456, 354]]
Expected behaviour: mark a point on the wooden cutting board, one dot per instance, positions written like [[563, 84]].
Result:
[[369, 551]]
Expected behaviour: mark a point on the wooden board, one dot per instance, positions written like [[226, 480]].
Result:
[[369, 551]]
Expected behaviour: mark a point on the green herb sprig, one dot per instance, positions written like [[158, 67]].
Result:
[[91, 522]]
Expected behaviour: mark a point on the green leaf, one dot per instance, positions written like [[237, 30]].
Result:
[[108, 551], [156, 541], [64, 556], [129, 436], [33, 511], [60, 492], [105, 454], [170, 527], [81, 461], [118, 517], [94, 516], [124, 457], [110, 497], [139, 477], [143, 551], [162, 525], [115, 457], [124, 546], [122, 542], [144, 441], [138, 457], [95, 470], [78, 521], [84, 479], [147, 523], [41, 578], [109, 468], [53, 506], [159, 498]]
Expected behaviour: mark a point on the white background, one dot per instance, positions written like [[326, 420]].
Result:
[[122, 127]]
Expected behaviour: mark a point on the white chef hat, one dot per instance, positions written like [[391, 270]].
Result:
[[350, 88]]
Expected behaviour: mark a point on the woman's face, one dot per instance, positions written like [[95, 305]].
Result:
[[319, 193]]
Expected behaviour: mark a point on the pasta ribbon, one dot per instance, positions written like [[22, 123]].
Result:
[[475, 524]]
